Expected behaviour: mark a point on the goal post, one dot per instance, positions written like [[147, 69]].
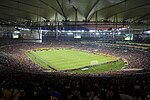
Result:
[[94, 62]]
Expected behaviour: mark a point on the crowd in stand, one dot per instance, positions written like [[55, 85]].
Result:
[[22, 79], [26, 86]]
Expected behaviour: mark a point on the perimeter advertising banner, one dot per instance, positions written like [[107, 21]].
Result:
[[128, 36]]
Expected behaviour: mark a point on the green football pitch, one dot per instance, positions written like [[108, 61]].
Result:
[[70, 59]]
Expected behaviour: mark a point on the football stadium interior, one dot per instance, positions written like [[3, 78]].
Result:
[[74, 49]]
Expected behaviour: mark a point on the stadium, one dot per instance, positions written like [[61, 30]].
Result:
[[74, 50]]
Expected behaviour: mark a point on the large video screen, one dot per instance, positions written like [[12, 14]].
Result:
[[16, 34], [30, 35], [128, 36], [77, 35]]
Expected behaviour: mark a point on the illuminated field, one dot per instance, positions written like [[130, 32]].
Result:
[[71, 59]]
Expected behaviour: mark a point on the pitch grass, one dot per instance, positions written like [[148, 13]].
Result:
[[102, 68], [67, 59]]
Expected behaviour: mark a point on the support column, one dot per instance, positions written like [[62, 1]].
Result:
[[56, 25]]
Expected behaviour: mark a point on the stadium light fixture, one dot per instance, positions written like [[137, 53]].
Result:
[[111, 33], [69, 33], [63, 30], [119, 33], [122, 29], [148, 32], [91, 31], [24, 29], [78, 31], [106, 31], [44, 30], [48, 24], [97, 33]]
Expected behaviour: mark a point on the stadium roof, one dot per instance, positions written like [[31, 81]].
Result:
[[75, 10]]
